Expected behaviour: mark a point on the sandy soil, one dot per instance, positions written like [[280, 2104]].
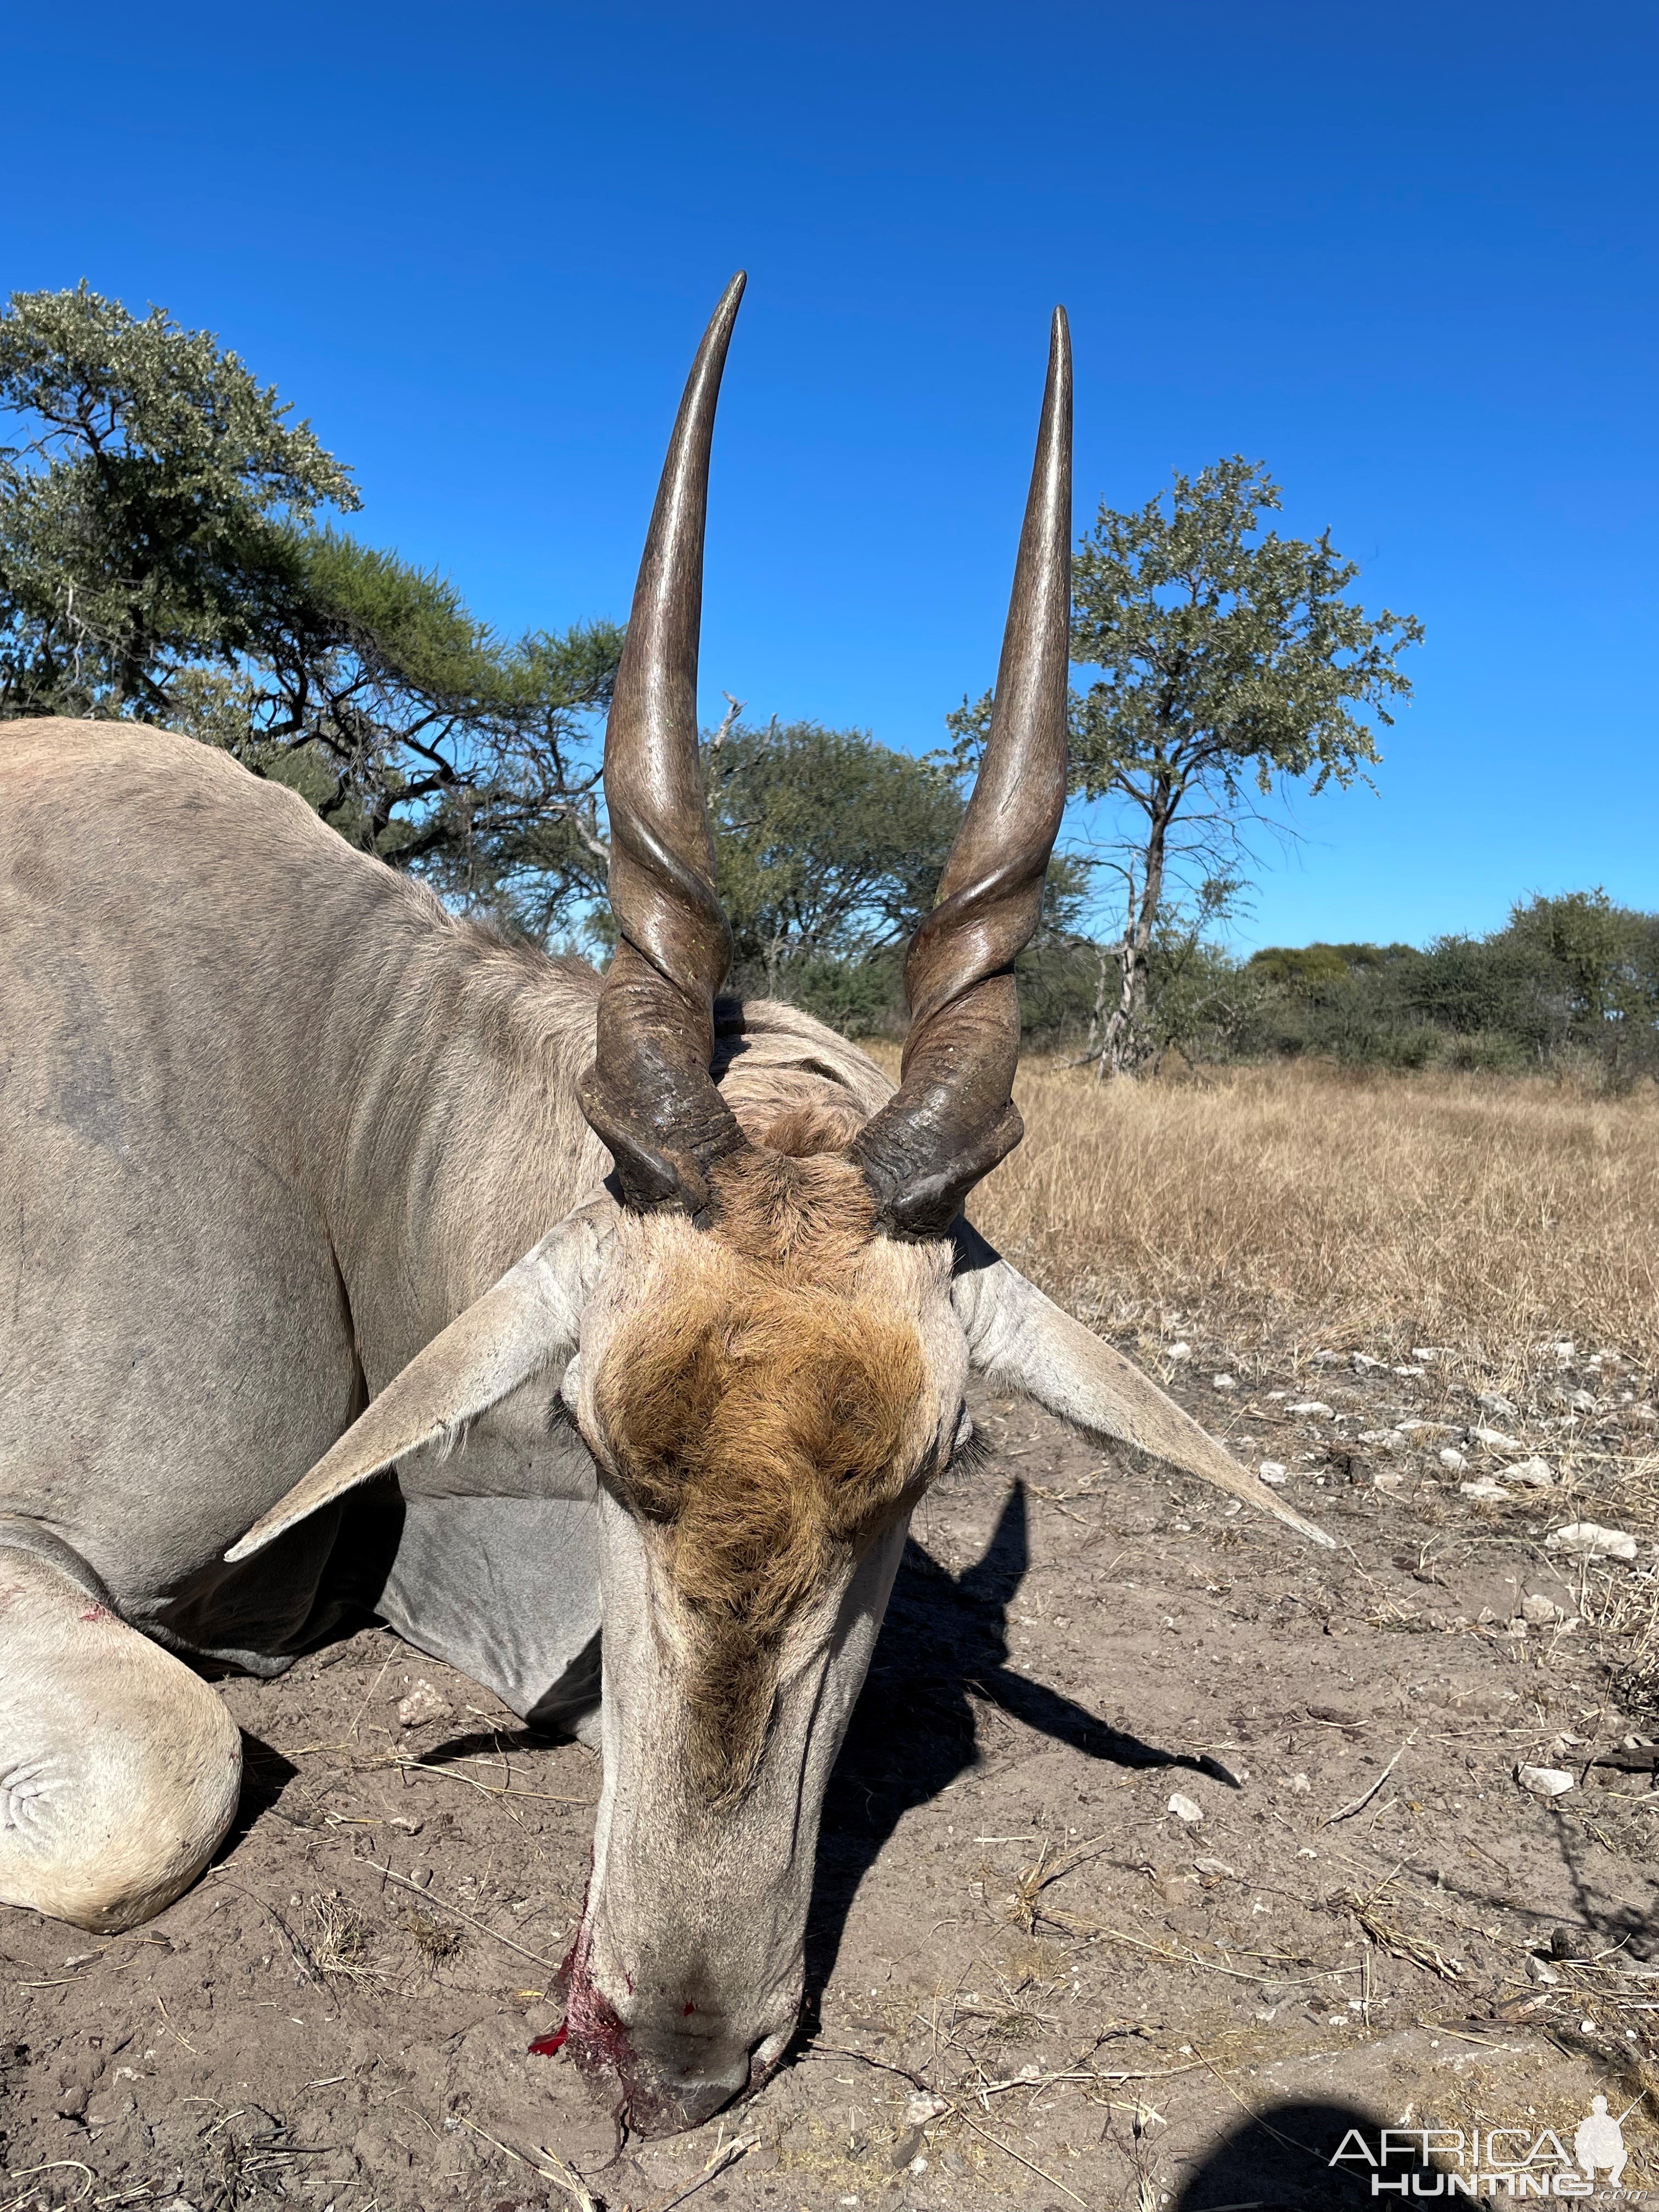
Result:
[[1032, 1984]]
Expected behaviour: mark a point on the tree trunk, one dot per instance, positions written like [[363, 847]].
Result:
[[1125, 1045]]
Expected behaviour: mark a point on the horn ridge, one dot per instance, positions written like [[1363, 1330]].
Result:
[[649, 1094], [952, 1117]]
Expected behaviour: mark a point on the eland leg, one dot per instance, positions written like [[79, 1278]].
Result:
[[119, 1769]]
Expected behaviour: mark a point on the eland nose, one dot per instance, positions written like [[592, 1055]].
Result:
[[676, 2075]]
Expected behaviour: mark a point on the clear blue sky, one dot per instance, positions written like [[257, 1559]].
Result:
[[1405, 254]]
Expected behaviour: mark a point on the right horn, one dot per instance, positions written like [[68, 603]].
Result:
[[953, 1116]]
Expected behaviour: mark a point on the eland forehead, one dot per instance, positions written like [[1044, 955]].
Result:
[[771, 1393]]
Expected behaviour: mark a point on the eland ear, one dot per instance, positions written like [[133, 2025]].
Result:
[[525, 1324], [1024, 1341]]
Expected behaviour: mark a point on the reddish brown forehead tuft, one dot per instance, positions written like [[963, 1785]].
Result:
[[764, 1429], [793, 1202]]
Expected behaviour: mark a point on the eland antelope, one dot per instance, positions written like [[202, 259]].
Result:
[[348, 1252]]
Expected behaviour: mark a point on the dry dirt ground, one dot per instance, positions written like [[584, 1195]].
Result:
[[1032, 1982]]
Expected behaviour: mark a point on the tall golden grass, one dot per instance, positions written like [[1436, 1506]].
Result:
[[1299, 1201]]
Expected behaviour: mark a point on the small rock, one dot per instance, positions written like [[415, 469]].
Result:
[[904, 2149], [1300, 1786], [1178, 1350], [1533, 1474], [1431, 1351], [1543, 1781], [1543, 1974], [1485, 1487], [1581, 1402], [411, 1827], [922, 2108], [1412, 1373], [1362, 1360], [1186, 1810], [1224, 1383], [1273, 1470], [420, 1876], [1452, 1459], [1588, 1539], [1500, 1407], [1217, 1867], [1540, 1611], [1497, 1440], [422, 1704], [1311, 1409]]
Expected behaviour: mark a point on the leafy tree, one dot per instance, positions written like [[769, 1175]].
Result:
[[1231, 661], [828, 849], [423, 737], [828, 845], [161, 560], [1230, 658], [142, 518]]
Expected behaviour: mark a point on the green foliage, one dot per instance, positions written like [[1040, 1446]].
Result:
[[1225, 653], [1568, 980], [1230, 659], [829, 848], [140, 516], [161, 560], [828, 845]]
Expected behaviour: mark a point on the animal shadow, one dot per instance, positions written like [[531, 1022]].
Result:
[[1280, 2160], [913, 1731], [265, 1774]]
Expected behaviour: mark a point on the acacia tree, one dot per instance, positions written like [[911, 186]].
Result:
[[161, 560], [152, 483], [828, 850], [1231, 662]]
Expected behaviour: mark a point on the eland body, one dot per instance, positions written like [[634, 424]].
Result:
[[349, 1255]]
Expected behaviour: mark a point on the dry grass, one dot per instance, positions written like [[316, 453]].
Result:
[[1300, 1201]]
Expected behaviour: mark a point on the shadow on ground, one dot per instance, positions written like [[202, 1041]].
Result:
[[1282, 2157], [945, 1643]]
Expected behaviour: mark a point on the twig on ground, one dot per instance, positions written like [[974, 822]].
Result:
[[886, 2065], [721, 2160], [556, 2171], [28, 2172], [482, 1926], [1290, 2142], [488, 1788], [1358, 1805], [1008, 2151]]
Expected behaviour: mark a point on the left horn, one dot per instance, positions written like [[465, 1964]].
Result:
[[953, 1116], [649, 1094]]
